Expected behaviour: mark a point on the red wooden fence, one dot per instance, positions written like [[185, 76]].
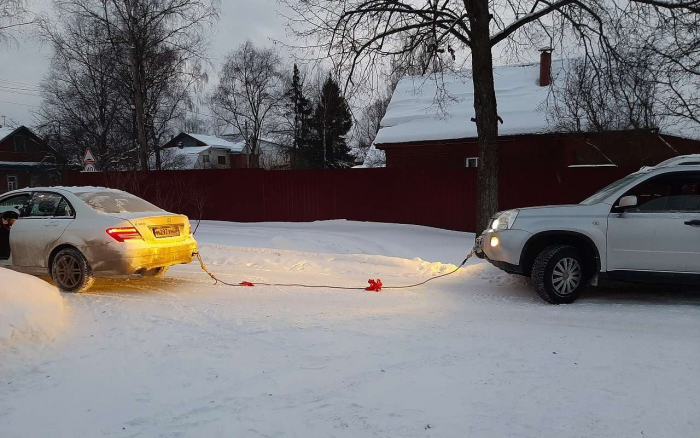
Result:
[[442, 198]]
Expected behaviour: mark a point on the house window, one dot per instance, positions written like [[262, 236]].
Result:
[[12, 183], [473, 162], [221, 160], [20, 145], [205, 159]]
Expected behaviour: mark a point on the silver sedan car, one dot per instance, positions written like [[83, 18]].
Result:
[[75, 234]]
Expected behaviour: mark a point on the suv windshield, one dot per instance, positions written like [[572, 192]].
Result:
[[603, 193], [116, 202]]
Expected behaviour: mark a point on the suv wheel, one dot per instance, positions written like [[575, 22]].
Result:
[[71, 271], [558, 274]]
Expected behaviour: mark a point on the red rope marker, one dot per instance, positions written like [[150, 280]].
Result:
[[374, 285]]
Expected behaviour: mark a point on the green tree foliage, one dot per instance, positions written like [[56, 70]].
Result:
[[300, 110], [330, 124]]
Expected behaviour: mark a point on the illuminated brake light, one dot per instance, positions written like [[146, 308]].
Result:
[[122, 234]]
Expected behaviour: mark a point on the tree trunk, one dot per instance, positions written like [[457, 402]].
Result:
[[486, 115], [159, 160], [156, 149], [254, 156], [325, 146], [138, 104]]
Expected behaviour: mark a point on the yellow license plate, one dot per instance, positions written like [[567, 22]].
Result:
[[161, 232]]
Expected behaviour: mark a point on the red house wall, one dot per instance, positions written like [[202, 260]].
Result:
[[549, 151], [34, 151], [514, 151]]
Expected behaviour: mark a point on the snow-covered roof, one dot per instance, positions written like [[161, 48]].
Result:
[[415, 114], [22, 163], [214, 141], [426, 108], [71, 189], [191, 155]]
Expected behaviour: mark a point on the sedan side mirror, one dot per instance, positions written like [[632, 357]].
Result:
[[627, 202]]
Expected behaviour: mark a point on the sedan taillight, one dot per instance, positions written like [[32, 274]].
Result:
[[126, 233]]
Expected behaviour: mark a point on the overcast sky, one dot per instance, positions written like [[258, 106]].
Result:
[[22, 66]]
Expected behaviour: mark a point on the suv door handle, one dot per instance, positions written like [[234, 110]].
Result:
[[693, 223], [51, 224]]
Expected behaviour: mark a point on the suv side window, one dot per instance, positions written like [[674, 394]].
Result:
[[42, 205], [14, 202], [676, 192]]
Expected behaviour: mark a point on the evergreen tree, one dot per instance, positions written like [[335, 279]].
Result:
[[300, 112], [330, 124]]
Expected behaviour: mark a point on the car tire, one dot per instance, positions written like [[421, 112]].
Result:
[[558, 274], [71, 271], [156, 272]]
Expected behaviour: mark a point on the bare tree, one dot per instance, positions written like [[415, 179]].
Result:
[[13, 14], [250, 92], [81, 107], [155, 45], [141, 58], [368, 123], [673, 51], [358, 34], [608, 96]]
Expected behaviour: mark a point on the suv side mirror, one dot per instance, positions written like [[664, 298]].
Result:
[[627, 202]]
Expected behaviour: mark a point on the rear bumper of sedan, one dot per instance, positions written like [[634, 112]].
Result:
[[129, 258]]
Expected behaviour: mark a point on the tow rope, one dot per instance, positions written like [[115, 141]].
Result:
[[374, 285]]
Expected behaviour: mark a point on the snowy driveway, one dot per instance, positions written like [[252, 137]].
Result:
[[472, 355]]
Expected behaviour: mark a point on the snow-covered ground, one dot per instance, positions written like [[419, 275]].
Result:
[[29, 308], [472, 355]]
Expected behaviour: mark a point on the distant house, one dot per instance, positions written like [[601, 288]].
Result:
[[418, 132], [200, 151], [25, 161], [272, 154]]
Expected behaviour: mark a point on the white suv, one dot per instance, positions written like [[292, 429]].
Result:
[[642, 228]]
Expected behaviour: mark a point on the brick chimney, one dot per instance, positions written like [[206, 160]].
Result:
[[545, 67]]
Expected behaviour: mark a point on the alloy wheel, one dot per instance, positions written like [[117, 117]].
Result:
[[68, 271], [566, 276]]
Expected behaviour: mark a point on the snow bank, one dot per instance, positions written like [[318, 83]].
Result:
[[29, 307]]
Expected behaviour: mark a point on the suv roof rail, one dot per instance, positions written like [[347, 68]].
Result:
[[683, 160]]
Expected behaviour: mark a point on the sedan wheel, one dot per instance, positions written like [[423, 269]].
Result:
[[71, 271]]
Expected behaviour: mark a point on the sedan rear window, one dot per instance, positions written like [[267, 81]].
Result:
[[116, 202]]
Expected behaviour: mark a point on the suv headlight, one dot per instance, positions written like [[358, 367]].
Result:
[[504, 220]]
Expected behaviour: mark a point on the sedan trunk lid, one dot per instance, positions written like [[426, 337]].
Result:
[[165, 228]]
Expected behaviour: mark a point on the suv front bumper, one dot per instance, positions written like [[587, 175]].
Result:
[[506, 253]]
